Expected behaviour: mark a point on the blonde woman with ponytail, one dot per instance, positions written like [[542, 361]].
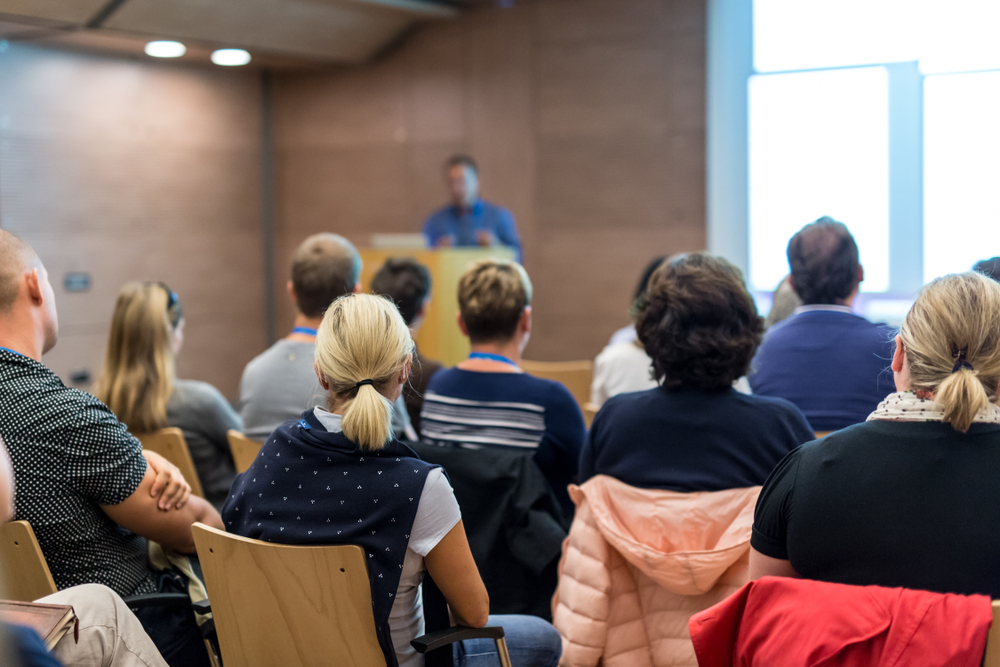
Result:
[[140, 385], [909, 498], [338, 476]]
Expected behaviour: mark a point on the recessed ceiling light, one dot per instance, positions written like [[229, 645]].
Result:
[[165, 49], [230, 57]]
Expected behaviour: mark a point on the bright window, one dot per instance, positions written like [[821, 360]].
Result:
[[819, 145]]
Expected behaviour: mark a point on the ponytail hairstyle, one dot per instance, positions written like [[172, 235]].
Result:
[[363, 338], [138, 375], [952, 340]]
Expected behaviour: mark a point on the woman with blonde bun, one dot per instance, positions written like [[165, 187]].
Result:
[[910, 497], [338, 476]]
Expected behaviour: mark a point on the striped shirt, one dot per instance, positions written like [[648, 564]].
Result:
[[473, 409]]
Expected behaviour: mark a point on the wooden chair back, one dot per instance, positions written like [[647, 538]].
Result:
[[295, 606], [243, 448], [576, 376], [992, 657], [171, 445], [25, 574], [822, 434], [589, 412]]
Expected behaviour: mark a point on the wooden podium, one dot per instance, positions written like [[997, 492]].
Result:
[[439, 338]]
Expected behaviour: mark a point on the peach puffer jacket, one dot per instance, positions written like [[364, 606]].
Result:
[[638, 563]]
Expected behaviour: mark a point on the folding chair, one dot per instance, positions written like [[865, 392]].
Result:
[[171, 445]]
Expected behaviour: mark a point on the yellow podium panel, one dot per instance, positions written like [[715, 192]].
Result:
[[439, 338]]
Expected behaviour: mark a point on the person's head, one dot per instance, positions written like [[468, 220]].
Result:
[[408, 283], [494, 302], [27, 300], [462, 177], [700, 325], [989, 267], [363, 338], [783, 303], [146, 334], [949, 345], [325, 266], [824, 261], [639, 298]]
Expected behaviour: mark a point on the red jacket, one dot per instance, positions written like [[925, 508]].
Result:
[[781, 622]]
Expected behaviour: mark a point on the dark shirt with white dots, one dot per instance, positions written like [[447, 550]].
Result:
[[70, 456]]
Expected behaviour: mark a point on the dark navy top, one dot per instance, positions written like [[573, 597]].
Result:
[[451, 221], [312, 487], [29, 647], [514, 411], [690, 439], [833, 365]]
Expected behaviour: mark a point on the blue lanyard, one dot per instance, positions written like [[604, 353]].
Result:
[[11, 351], [492, 357], [304, 330]]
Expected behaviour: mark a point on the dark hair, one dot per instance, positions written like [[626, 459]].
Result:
[[407, 282], [989, 268], [492, 296], [824, 261], [700, 326], [326, 266], [464, 160], [639, 298]]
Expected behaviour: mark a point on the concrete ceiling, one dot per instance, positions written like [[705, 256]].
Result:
[[275, 32]]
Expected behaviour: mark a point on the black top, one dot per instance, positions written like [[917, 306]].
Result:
[[883, 503], [70, 456], [691, 440], [311, 486]]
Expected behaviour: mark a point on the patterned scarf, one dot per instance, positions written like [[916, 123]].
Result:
[[906, 406]]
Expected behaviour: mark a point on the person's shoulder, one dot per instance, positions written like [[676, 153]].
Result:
[[495, 209], [197, 390], [443, 378]]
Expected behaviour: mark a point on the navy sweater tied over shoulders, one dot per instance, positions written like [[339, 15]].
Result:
[[312, 487]]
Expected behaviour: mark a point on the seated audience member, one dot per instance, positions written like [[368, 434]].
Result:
[[694, 432], [624, 366], [905, 499], [90, 492], [279, 383], [140, 386], [107, 633], [989, 267], [784, 301], [373, 492], [487, 400], [825, 359], [408, 284]]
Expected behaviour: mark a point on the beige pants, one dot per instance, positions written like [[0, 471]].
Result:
[[110, 634]]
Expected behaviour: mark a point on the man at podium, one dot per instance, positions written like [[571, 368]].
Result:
[[468, 220]]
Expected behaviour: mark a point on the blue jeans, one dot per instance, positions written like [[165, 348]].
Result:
[[531, 642]]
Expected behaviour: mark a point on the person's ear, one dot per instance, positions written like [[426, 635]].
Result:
[[899, 356], [861, 274], [461, 325], [357, 288], [290, 288], [525, 322], [322, 378], [404, 372], [34, 287]]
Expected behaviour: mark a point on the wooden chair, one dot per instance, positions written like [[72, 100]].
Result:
[[576, 376], [299, 606], [243, 448], [822, 434], [589, 412], [171, 445], [992, 657], [25, 574]]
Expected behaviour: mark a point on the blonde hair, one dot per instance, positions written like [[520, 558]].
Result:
[[951, 340], [363, 337], [138, 375], [492, 296]]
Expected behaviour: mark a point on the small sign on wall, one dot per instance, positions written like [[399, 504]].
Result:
[[76, 281]]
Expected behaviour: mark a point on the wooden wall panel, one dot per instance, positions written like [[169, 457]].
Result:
[[134, 171], [587, 118]]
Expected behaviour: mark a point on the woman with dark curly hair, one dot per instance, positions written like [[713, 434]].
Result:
[[694, 432]]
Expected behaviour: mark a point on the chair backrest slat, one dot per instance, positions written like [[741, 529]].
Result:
[[576, 376], [171, 445], [244, 450], [293, 606], [25, 574], [992, 657]]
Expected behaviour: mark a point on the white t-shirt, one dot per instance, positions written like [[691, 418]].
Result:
[[620, 368], [437, 514]]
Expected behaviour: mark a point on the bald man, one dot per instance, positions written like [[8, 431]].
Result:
[[828, 361], [90, 492]]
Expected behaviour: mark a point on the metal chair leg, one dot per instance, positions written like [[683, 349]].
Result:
[[502, 652]]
